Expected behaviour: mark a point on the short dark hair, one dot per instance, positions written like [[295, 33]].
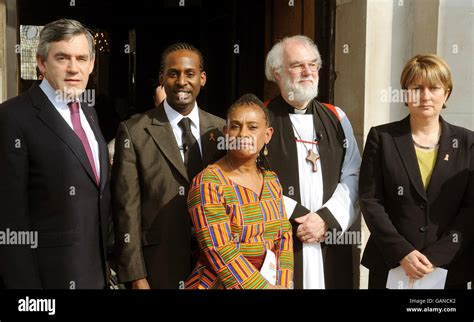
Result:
[[250, 99], [177, 47], [247, 100], [63, 29]]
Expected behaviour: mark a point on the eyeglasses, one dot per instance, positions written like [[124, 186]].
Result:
[[298, 68]]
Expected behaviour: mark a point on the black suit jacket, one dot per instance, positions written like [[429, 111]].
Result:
[[149, 191], [48, 187], [402, 216]]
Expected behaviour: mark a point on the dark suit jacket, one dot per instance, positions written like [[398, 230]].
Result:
[[402, 216], [149, 190], [48, 187]]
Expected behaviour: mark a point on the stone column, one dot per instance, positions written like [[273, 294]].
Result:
[[8, 58], [3, 72]]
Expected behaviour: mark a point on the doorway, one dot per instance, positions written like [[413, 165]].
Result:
[[234, 37]]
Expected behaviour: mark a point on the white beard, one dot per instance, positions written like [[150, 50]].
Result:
[[300, 94]]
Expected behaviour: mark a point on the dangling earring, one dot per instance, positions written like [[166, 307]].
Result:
[[265, 150], [444, 105]]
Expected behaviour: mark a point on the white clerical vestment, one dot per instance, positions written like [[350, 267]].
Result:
[[343, 202]]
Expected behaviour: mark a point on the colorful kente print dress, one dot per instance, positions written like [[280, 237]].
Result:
[[234, 228]]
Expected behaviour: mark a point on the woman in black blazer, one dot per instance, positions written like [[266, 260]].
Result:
[[416, 185]]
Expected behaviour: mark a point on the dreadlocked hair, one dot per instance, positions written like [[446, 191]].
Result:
[[177, 47]]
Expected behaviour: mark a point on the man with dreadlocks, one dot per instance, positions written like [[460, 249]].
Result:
[[157, 156]]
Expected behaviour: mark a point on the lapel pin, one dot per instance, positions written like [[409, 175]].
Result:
[[446, 157], [211, 137]]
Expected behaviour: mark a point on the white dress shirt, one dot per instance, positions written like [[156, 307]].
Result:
[[63, 109], [174, 118]]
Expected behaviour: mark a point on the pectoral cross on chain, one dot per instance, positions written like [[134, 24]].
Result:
[[313, 158]]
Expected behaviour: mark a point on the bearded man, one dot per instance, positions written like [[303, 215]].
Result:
[[315, 154]]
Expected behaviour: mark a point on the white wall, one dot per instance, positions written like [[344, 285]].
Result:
[[456, 46]]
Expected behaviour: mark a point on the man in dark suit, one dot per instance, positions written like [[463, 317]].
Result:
[[53, 165], [156, 157]]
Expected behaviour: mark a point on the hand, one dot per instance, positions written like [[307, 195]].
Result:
[[159, 96], [141, 284], [311, 229], [275, 287], [416, 265]]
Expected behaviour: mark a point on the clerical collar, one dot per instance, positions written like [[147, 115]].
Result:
[[286, 107], [297, 111]]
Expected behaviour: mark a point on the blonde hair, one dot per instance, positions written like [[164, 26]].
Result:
[[430, 69]]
